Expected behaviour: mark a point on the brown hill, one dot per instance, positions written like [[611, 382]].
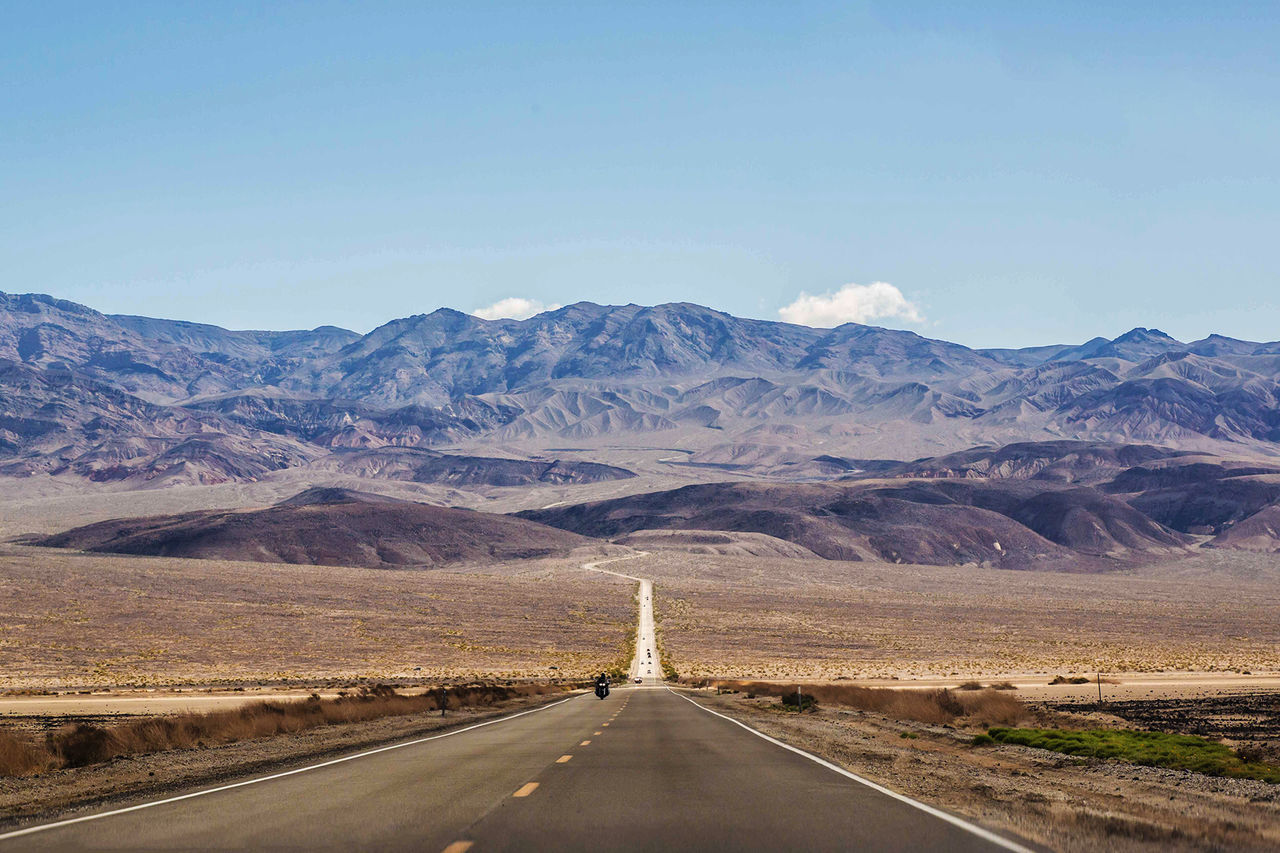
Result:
[[329, 527], [1008, 524], [1211, 505], [1258, 532]]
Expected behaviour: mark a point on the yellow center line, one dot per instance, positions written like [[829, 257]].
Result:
[[562, 759], [597, 733], [585, 743], [604, 724], [526, 789], [459, 847]]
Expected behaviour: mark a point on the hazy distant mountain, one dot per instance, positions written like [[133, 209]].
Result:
[[119, 397]]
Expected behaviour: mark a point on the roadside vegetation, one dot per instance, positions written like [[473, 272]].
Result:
[[1153, 749], [669, 672], [981, 707], [81, 744]]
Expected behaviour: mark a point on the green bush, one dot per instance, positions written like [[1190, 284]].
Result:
[[1153, 749], [792, 702], [983, 740]]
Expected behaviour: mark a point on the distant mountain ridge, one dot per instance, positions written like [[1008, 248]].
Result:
[[119, 397]]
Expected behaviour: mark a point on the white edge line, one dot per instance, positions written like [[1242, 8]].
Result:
[[938, 813], [30, 830]]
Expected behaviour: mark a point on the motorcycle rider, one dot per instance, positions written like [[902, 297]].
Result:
[[602, 685]]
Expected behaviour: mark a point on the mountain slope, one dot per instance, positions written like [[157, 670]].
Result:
[[680, 374]]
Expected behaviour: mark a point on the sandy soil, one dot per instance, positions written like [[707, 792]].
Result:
[[1063, 803], [73, 620]]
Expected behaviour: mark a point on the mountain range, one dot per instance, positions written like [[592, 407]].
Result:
[[143, 401]]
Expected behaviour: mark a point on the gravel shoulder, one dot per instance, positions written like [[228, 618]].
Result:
[[1061, 802], [134, 779]]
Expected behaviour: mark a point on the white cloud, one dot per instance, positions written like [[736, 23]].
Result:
[[513, 308], [853, 303]]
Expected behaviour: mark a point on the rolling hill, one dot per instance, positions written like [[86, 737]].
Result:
[[1002, 523], [327, 527]]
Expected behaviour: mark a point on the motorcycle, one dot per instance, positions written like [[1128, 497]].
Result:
[[602, 689]]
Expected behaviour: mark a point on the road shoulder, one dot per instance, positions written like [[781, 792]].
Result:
[[1048, 799], [134, 779]]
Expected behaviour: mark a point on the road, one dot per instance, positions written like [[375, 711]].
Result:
[[645, 665], [645, 769]]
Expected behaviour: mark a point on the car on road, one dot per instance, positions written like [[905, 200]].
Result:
[[639, 680]]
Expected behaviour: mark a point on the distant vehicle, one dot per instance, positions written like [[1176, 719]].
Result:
[[639, 680]]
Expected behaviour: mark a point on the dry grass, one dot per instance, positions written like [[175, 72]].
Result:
[[22, 758], [81, 744], [983, 707]]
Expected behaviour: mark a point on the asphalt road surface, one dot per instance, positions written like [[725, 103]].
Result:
[[644, 665], [645, 769]]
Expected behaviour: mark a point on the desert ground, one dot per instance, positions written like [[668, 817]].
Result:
[[817, 619], [77, 621], [1188, 645]]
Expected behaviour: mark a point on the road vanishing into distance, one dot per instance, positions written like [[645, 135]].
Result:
[[645, 769]]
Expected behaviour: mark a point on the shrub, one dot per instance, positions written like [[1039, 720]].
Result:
[[1154, 749], [924, 706], [78, 744], [983, 740], [1075, 679], [802, 702]]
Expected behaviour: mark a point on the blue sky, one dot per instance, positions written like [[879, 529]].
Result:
[[1020, 173]]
